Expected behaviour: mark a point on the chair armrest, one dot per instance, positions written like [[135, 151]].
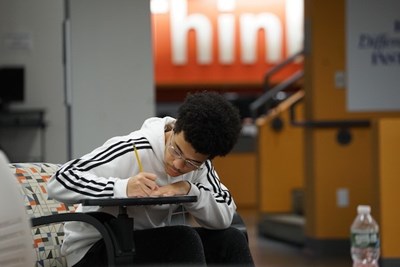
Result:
[[96, 219]]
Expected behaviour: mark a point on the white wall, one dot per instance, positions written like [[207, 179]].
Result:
[[112, 70], [42, 21]]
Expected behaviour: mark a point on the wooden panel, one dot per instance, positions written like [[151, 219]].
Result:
[[389, 183], [281, 160], [238, 172], [335, 167]]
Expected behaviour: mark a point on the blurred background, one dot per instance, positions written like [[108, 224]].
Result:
[[316, 83]]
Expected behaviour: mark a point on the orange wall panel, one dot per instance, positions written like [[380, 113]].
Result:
[[335, 167], [238, 172], [389, 183], [280, 163], [329, 165]]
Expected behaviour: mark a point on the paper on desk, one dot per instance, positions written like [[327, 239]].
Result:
[[16, 245]]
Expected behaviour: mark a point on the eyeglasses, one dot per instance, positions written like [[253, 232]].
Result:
[[190, 164]]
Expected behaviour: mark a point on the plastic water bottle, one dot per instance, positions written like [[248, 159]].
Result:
[[365, 243]]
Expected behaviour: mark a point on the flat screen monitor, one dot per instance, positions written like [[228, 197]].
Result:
[[12, 85]]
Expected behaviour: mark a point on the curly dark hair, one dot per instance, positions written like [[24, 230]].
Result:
[[210, 123]]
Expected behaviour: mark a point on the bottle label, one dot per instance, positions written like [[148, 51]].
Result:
[[365, 240]]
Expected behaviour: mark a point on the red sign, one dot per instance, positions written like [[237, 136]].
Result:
[[212, 42]]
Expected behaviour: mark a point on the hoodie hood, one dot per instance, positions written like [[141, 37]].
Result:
[[153, 130]]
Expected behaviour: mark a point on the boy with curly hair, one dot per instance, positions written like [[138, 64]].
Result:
[[175, 159]]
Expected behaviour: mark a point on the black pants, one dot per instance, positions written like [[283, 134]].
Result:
[[181, 246]]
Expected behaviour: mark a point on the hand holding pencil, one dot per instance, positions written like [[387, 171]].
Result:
[[144, 183]]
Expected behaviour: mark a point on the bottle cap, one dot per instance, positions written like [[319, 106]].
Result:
[[363, 209]]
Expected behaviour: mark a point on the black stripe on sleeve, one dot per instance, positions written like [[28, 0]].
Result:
[[220, 195], [69, 175]]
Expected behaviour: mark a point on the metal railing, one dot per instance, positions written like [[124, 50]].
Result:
[[325, 123], [264, 101], [279, 67]]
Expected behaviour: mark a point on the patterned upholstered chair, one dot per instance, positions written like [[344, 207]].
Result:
[[48, 215], [47, 238]]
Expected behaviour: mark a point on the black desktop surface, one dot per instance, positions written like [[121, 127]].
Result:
[[138, 201]]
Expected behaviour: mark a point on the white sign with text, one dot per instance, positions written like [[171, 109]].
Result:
[[373, 55]]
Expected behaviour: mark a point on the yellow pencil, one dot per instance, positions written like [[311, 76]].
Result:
[[137, 158]]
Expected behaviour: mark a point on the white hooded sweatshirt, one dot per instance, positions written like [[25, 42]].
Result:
[[104, 173]]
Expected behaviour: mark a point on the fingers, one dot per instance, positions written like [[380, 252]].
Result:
[[144, 185], [141, 185], [178, 188], [147, 181], [162, 192], [148, 175]]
